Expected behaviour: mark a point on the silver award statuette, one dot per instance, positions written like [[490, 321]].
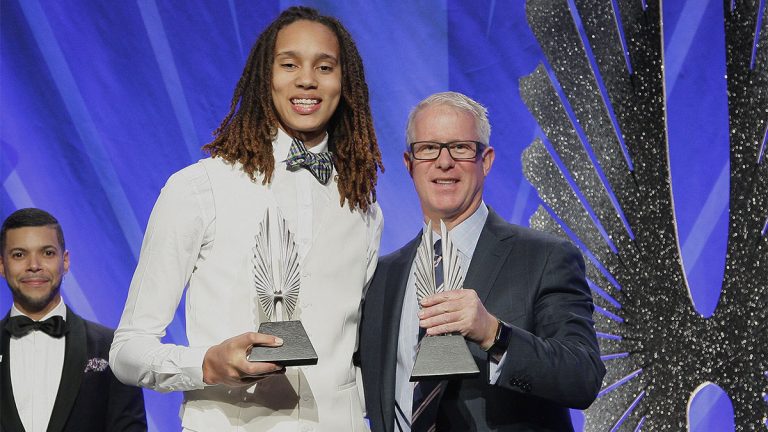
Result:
[[277, 289], [442, 356]]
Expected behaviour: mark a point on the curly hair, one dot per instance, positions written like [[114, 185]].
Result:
[[246, 133]]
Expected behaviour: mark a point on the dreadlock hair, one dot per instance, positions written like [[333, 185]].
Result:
[[246, 133]]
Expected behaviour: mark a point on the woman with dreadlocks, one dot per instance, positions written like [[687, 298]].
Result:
[[298, 144]]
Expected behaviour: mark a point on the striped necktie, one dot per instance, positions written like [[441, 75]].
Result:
[[426, 394]]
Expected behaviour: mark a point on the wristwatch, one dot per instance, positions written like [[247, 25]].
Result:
[[501, 341]]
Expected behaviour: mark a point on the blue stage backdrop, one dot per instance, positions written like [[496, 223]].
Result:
[[103, 100]]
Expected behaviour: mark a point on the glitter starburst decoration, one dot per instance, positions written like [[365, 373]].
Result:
[[615, 200]]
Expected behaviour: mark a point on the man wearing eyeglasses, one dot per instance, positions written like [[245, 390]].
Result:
[[525, 310]]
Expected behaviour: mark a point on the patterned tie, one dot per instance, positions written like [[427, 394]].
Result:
[[426, 394], [437, 263], [20, 326], [319, 164]]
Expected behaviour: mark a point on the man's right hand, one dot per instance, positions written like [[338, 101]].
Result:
[[226, 363]]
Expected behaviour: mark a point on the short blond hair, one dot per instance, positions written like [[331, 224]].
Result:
[[460, 102]]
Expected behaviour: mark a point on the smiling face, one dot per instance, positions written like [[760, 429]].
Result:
[[448, 189], [306, 79], [33, 264]]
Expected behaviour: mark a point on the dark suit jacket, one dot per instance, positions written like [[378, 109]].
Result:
[[530, 280], [91, 400]]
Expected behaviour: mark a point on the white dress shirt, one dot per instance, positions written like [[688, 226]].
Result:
[[464, 236], [174, 367], [36, 364]]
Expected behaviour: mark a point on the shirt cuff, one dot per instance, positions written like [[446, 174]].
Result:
[[192, 365], [494, 369]]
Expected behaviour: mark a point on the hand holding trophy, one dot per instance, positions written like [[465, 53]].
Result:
[[442, 356], [277, 288]]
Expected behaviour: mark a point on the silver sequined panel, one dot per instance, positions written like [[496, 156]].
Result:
[[657, 348]]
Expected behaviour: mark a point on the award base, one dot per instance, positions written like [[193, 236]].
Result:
[[444, 357], [297, 349]]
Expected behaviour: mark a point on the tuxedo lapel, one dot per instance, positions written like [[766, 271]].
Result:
[[395, 286], [9, 420], [75, 357], [492, 249]]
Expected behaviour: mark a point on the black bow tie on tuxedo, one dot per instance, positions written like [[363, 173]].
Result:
[[20, 325]]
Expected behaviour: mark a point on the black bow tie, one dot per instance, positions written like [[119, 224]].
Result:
[[20, 325]]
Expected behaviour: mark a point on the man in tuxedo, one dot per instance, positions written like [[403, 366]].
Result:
[[54, 372], [525, 311]]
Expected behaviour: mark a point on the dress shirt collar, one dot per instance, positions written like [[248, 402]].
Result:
[[60, 310], [283, 141], [466, 234]]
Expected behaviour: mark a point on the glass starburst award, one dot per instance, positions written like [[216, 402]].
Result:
[[441, 356], [277, 278]]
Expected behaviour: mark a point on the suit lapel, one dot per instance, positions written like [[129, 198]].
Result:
[[492, 249], [9, 420], [397, 279], [395, 286], [75, 357]]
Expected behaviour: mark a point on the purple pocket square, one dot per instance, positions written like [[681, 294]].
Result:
[[96, 365]]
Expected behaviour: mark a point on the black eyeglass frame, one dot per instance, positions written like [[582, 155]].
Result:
[[479, 147]]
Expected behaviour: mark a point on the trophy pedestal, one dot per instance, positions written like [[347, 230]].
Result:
[[444, 357], [297, 349]]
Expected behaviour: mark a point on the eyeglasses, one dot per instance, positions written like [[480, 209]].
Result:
[[459, 150]]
